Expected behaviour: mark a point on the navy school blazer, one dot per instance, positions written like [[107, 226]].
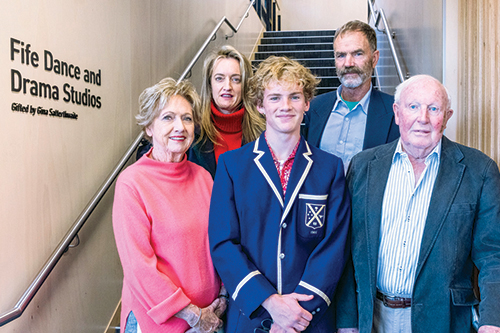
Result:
[[263, 243]]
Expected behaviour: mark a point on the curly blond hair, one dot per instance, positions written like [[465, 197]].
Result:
[[286, 71]]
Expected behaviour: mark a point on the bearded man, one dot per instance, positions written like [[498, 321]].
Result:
[[355, 116]]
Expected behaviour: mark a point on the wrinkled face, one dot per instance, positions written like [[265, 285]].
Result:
[[422, 115], [354, 59], [172, 131], [226, 85], [284, 107]]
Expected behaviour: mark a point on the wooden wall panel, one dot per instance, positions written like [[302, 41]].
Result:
[[479, 76]]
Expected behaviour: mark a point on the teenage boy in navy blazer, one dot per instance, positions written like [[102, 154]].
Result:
[[279, 215]]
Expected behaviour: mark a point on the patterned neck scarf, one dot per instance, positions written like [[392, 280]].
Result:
[[284, 167]]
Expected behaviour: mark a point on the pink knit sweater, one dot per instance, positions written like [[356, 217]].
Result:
[[160, 221]]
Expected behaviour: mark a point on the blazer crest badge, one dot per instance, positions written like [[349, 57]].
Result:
[[315, 215]]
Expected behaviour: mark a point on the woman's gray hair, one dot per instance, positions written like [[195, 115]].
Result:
[[154, 99]]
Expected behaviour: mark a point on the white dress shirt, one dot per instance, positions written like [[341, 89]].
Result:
[[404, 212]]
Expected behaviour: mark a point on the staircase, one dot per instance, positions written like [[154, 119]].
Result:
[[386, 69], [313, 49]]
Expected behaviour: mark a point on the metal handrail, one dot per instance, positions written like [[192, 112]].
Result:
[[376, 16], [49, 265]]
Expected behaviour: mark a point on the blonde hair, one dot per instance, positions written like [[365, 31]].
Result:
[[284, 70], [253, 123], [154, 99]]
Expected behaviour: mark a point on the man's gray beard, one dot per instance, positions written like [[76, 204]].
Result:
[[353, 83]]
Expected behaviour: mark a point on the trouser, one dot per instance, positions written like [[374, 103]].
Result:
[[388, 320], [132, 326]]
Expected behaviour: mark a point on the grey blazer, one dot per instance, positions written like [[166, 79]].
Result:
[[462, 230]]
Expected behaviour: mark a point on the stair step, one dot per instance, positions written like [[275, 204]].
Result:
[[329, 81], [295, 54], [295, 47], [310, 62], [322, 90], [297, 40], [299, 33], [323, 71], [307, 62], [313, 49]]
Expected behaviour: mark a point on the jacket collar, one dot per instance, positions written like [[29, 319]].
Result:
[[448, 181], [301, 167]]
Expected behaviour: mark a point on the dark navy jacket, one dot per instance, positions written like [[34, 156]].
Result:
[[380, 125], [263, 244]]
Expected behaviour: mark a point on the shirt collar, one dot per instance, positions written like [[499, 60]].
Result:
[[364, 102], [290, 157], [399, 153]]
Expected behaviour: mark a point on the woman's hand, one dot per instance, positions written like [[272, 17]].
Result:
[[224, 298], [201, 320]]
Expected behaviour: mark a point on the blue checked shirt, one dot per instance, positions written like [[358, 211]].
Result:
[[404, 212], [345, 130]]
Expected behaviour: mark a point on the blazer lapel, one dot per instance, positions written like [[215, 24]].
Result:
[[448, 180], [301, 166], [377, 175], [378, 121], [265, 164]]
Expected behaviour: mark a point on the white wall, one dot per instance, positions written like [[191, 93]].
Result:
[[52, 166], [450, 62], [427, 41], [320, 14]]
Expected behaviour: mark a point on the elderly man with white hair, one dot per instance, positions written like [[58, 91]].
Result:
[[425, 211]]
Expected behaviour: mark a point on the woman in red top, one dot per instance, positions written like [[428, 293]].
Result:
[[228, 118]]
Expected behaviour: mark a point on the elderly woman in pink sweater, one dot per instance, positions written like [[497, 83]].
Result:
[[160, 221]]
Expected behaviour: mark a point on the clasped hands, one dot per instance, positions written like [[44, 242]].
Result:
[[288, 316], [205, 320]]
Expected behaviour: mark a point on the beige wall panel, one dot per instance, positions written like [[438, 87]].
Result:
[[52, 166], [479, 72], [419, 34], [451, 63], [320, 14]]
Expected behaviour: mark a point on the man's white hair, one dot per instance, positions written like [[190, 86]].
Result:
[[414, 79]]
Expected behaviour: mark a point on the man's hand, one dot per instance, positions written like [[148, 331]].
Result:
[[489, 329], [347, 330], [287, 313], [275, 328]]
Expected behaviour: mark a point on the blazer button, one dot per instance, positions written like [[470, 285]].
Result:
[[282, 256], [284, 225]]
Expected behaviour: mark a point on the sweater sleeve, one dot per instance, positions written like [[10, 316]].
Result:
[[154, 290]]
